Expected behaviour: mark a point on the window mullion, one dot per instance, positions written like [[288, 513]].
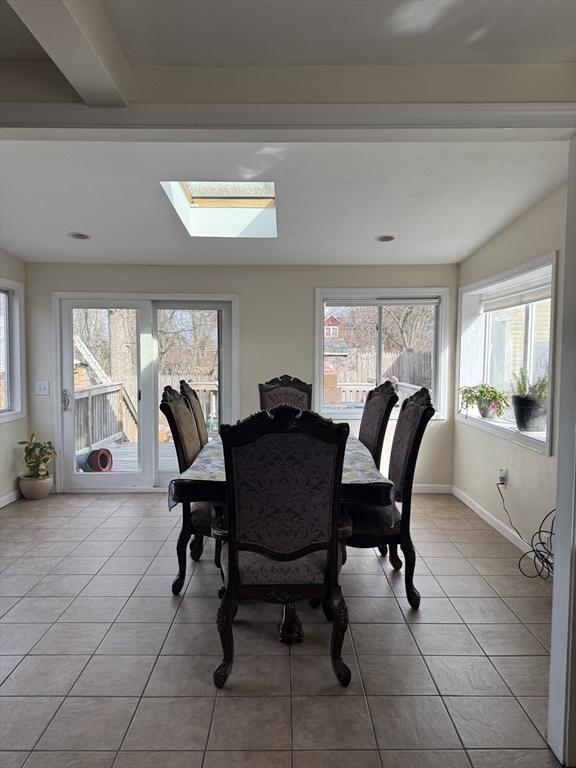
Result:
[[379, 347]]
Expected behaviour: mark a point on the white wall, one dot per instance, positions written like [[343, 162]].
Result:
[[276, 324], [11, 464], [478, 455]]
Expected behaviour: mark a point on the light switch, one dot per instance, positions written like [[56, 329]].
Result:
[[42, 388]]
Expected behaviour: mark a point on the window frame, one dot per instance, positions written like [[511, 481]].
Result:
[[441, 359], [506, 429], [16, 356]]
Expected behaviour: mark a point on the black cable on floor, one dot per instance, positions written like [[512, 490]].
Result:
[[541, 552]]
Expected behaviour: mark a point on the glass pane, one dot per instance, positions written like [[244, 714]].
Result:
[[188, 348], [350, 343], [106, 389], [408, 333], [4, 351], [540, 342], [506, 348]]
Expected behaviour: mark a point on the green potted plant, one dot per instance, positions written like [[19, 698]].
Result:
[[490, 401], [530, 401], [38, 482]]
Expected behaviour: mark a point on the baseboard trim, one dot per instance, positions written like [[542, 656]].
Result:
[[424, 488], [488, 517], [9, 498]]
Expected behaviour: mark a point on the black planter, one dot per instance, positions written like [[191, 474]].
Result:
[[529, 414]]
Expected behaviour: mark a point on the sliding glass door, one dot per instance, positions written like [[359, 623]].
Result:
[[117, 357]]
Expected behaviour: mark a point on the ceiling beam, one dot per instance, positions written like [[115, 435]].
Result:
[[79, 38]]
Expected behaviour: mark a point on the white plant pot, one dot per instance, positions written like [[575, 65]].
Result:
[[35, 487]]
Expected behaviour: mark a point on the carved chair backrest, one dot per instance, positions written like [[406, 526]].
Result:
[[285, 389], [415, 413], [182, 426], [283, 476], [194, 402], [375, 417]]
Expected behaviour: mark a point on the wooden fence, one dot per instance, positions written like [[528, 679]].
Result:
[[408, 366]]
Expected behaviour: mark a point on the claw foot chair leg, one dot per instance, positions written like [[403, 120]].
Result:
[[339, 627], [183, 539], [226, 613]]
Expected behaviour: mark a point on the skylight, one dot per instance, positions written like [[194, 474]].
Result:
[[224, 208]]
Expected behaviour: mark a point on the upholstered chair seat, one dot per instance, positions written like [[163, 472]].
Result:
[[255, 568]]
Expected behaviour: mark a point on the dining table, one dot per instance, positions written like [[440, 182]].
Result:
[[205, 480]]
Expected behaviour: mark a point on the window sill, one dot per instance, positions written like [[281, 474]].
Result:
[[7, 416], [353, 414], [536, 441]]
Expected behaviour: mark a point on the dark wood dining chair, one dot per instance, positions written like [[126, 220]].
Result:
[[375, 526], [282, 542], [193, 401], [196, 516], [375, 417], [285, 389]]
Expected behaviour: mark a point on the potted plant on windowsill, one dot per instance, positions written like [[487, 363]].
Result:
[[530, 401], [38, 483], [491, 402]]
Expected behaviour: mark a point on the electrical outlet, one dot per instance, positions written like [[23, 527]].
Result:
[[503, 476]]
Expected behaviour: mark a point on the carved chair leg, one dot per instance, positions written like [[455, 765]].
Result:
[[314, 603], [196, 547], [218, 553], [339, 627], [383, 550], [183, 539], [226, 612], [395, 561], [410, 557]]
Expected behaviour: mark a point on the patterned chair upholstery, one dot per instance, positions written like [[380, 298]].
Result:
[[375, 416], [191, 397], [285, 390], [196, 517], [282, 542], [374, 526]]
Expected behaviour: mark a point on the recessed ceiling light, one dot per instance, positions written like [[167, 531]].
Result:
[[384, 238], [78, 236]]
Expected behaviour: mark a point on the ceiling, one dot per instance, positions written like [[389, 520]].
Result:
[[440, 200], [16, 42], [278, 32]]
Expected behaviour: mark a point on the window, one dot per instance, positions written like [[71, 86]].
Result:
[[331, 331], [506, 342], [367, 340], [4, 351], [224, 208], [10, 353]]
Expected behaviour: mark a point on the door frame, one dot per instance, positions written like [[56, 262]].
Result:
[[59, 296]]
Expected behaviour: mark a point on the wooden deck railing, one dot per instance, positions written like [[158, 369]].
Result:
[[104, 414]]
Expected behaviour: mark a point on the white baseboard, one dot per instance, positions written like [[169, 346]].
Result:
[[501, 527], [423, 488], [9, 498]]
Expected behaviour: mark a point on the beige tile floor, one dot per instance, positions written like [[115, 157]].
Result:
[[103, 668]]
